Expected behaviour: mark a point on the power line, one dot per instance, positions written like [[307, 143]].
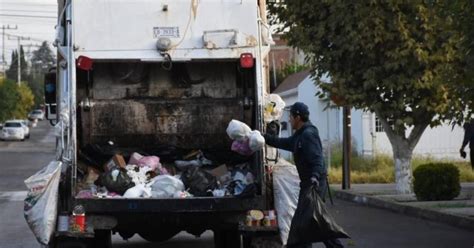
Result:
[[30, 4], [34, 11], [36, 39], [29, 16]]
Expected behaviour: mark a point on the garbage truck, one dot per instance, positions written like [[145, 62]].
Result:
[[161, 78]]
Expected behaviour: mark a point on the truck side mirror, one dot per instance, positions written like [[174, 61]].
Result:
[[50, 94]]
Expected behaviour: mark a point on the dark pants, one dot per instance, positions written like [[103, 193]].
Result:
[[332, 243], [471, 155]]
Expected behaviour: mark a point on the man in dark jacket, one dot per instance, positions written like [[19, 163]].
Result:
[[308, 155], [468, 138]]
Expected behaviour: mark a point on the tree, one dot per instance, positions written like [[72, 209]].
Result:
[[8, 98], [12, 72], [463, 15], [394, 58], [286, 71], [24, 102], [41, 61]]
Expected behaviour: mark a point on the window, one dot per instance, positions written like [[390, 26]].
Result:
[[12, 124], [378, 125]]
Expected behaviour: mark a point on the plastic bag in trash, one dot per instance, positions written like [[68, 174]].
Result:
[[256, 141], [199, 181], [274, 106], [238, 130], [241, 147], [135, 158], [166, 186], [151, 161], [116, 181], [312, 222], [40, 205], [139, 175], [138, 191]]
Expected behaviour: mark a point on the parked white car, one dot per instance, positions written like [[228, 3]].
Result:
[[13, 130], [36, 115], [26, 125]]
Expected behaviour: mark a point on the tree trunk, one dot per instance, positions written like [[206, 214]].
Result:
[[402, 148], [403, 176]]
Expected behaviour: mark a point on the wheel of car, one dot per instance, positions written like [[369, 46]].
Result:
[[28, 137]]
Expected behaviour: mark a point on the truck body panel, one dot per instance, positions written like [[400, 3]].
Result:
[[142, 97]]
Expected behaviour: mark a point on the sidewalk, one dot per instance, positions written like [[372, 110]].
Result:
[[458, 212]]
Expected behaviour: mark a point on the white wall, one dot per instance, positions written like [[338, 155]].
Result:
[[328, 121], [438, 142]]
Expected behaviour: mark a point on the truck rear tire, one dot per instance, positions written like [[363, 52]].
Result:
[[227, 238], [159, 235], [102, 238]]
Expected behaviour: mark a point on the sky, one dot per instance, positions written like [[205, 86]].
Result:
[[33, 18]]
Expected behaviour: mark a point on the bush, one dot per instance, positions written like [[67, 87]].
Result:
[[436, 181]]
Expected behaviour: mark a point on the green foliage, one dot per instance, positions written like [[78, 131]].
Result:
[[437, 181], [43, 59], [398, 59], [380, 169], [286, 71], [24, 103], [12, 72], [8, 98], [390, 57], [463, 10]]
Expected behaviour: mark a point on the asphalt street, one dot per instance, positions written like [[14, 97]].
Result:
[[368, 227]]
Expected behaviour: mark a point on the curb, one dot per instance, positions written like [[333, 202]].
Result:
[[424, 213]]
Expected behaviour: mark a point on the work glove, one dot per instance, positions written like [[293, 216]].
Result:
[[315, 182], [463, 153], [273, 128]]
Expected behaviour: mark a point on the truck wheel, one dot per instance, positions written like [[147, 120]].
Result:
[[159, 235], [102, 238], [262, 242], [67, 243], [227, 238]]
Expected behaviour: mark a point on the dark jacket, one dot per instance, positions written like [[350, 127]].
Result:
[[307, 152], [468, 135]]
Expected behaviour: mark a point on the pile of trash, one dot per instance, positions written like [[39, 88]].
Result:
[[195, 174]]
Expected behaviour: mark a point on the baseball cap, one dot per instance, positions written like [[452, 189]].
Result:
[[299, 108]]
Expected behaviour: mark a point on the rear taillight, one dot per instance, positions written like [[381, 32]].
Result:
[[84, 63], [246, 60]]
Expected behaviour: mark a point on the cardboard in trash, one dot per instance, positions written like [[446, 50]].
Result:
[[221, 173], [117, 161]]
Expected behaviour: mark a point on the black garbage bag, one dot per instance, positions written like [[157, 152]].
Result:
[[312, 222], [121, 183], [199, 182]]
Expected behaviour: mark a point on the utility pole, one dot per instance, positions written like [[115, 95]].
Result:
[[19, 38], [4, 61], [346, 148]]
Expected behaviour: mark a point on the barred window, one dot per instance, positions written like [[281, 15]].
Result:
[[378, 125]]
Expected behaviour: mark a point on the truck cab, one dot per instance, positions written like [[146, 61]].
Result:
[[154, 76]]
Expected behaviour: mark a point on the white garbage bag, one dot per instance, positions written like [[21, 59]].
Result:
[[140, 190], [256, 140], [238, 130], [274, 106], [40, 205], [286, 187], [166, 186]]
